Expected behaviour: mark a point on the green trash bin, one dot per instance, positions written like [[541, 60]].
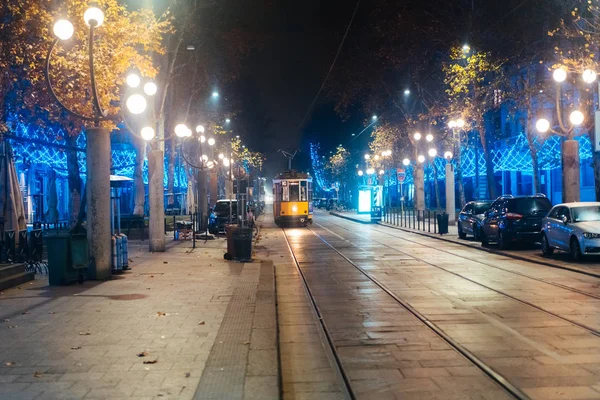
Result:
[[242, 239], [60, 270]]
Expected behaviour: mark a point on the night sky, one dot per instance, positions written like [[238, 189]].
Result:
[[282, 78]]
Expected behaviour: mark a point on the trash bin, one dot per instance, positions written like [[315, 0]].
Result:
[[442, 220], [229, 231], [242, 239], [60, 266]]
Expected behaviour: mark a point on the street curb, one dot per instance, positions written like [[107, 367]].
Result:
[[486, 249], [494, 251], [360, 221]]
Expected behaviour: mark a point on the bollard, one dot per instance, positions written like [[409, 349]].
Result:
[[428, 221], [435, 222]]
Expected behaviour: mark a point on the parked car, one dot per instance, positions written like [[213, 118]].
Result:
[[219, 216], [572, 227], [512, 219], [470, 217]]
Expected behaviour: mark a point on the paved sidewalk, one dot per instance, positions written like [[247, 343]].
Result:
[[589, 266], [176, 322]]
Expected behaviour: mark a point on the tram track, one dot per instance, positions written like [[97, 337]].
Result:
[[589, 329], [496, 377]]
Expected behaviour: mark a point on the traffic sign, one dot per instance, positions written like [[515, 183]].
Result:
[[401, 174]]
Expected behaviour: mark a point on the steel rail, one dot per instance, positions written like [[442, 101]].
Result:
[[490, 372], [591, 330], [349, 393]]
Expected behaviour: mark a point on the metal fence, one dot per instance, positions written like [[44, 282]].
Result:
[[420, 220]]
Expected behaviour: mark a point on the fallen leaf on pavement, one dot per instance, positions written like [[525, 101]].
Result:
[[10, 363], [165, 262], [161, 314], [201, 323], [25, 312], [151, 362], [51, 312], [151, 276], [147, 288], [76, 348], [7, 320], [246, 342], [13, 326], [37, 374], [85, 333], [187, 374], [162, 337], [142, 354]]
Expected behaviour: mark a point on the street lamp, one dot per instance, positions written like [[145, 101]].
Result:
[[370, 171], [367, 156], [360, 173], [570, 147], [429, 137], [421, 159], [448, 155], [215, 94], [406, 92], [374, 117], [559, 75], [432, 152], [150, 88], [97, 149], [417, 136], [147, 133], [133, 80], [406, 162]]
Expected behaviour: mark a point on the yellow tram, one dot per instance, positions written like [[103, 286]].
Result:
[[292, 198]]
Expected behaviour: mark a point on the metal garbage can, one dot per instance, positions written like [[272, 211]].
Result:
[[242, 239], [230, 229], [60, 267], [442, 220]]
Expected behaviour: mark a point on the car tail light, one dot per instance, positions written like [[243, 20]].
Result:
[[513, 216]]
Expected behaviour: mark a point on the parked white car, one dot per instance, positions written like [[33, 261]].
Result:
[[572, 227]]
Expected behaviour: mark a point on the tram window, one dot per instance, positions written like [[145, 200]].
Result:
[[294, 191], [303, 195], [286, 193], [310, 191]]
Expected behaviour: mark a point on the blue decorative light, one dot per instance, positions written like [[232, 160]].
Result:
[[318, 167]]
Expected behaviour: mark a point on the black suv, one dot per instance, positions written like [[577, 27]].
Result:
[[512, 219]]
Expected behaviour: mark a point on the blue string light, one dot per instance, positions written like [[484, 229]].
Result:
[[318, 167]]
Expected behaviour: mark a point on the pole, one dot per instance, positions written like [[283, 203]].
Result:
[[571, 171], [450, 195], [98, 202], [156, 200]]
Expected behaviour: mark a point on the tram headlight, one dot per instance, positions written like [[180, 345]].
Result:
[[294, 209]]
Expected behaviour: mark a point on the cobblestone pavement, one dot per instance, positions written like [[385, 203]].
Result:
[[157, 331], [536, 326]]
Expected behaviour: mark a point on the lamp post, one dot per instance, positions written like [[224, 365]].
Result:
[[450, 196], [419, 175], [457, 125], [97, 152], [570, 147], [200, 161], [136, 103]]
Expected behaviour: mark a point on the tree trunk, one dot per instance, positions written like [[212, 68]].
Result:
[[171, 173], [138, 177], [537, 187], [489, 172], [74, 179]]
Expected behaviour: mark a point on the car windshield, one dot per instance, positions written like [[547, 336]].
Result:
[[480, 208], [584, 214], [532, 206], [223, 207]]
